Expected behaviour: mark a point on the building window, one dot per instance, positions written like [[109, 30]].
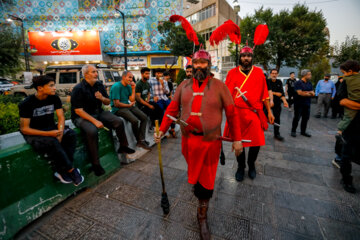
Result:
[[207, 33], [203, 14]]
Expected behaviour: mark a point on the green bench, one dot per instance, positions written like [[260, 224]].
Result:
[[28, 187]]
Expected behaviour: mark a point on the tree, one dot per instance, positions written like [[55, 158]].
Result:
[[294, 36], [175, 39], [10, 49], [350, 49]]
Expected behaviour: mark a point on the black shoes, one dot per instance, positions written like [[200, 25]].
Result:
[[143, 144], [239, 175], [125, 149], [306, 134], [348, 187], [293, 134], [98, 170], [278, 137], [318, 116], [252, 173]]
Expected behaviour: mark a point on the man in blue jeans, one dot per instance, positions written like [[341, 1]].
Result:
[[159, 90], [39, 129], [302, 100]]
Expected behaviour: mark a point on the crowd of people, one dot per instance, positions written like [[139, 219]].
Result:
[[250, 101], [137, 102]]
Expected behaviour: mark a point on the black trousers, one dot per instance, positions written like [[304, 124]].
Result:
[[202, 193], [252, 156], [60, 153], [290, 99], [153, 114], [277, 111], [350, 149], [336, 109], [91, 132], [303, 112]]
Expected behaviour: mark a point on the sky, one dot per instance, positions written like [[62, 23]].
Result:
[[342, 16]]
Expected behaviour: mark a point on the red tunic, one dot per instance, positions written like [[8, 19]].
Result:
[[256, 92], [202, 152]]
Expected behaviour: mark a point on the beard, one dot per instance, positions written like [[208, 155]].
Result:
[[188, 76], [246, 64], [201, 73]]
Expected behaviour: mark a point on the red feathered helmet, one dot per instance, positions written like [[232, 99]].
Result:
[[202, 54], [246, 49]]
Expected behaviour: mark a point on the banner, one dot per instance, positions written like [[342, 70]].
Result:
[[65, 43]]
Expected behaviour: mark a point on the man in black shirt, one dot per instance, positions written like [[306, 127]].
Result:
[[278, 97], [290, 88], [87, 99], [302, 101], [39, 129]]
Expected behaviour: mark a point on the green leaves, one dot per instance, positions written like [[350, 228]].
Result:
[[174, 39], [350, 49], [295, 36], [10, 49]]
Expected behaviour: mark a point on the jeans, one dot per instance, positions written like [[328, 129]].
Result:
[[303, 112], [134, 115], [91, 132], [61, 153], [153, 114]]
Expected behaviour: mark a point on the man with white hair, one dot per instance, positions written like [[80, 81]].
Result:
[[87, 99], [303, 93]]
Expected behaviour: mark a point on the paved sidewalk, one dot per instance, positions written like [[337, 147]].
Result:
[[296, 195]]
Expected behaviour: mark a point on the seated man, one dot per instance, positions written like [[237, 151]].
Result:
[[39, 129], [122, 97], [159, 89], [142, 96], [87, 99]]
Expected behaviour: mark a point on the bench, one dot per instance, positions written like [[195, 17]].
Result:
[[28, 187]]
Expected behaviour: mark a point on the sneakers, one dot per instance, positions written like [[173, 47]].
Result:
[[70, 177], [77, 179], [64, 178], [98, 170], [239, 175], [125, 149], [143, 144], [336, 163], [279, 137]]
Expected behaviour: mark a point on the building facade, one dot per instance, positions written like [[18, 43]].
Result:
[[205, 16], [70, 19]]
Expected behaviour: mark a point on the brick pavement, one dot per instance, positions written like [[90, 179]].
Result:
[[296, 195]]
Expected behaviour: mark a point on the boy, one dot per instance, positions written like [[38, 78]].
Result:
[[39, 129]]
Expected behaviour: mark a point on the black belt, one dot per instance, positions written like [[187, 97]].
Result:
[[197, 133]]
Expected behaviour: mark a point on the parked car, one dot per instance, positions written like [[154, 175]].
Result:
[[66, 77], [5, 86]]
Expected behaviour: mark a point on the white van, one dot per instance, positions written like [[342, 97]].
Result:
[[66, 77]]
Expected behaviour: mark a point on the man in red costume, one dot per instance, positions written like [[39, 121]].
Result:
[[248, 88], [203, 99]]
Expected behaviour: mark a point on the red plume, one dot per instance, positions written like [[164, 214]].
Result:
[[190, 33], [227, 28], [261, 33]]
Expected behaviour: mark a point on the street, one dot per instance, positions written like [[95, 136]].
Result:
[[296, 195]]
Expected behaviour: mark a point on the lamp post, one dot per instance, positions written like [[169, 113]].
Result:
[[236, 10], [124, 36], [10, 19]]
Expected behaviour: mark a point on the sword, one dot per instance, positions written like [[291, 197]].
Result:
[[180, 122], [226, 139]]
